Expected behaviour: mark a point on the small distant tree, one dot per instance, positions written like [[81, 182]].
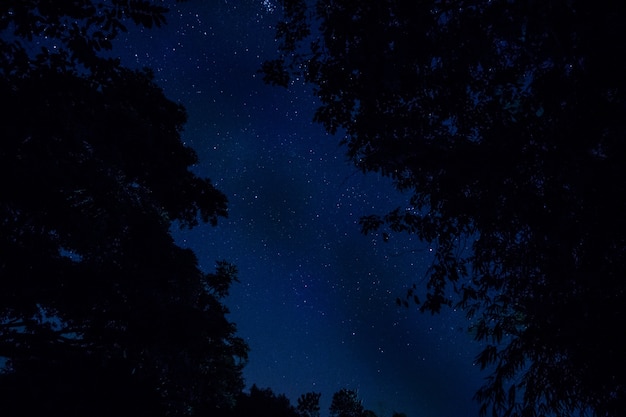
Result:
[[263, 402], [346, 403], [309, 405]]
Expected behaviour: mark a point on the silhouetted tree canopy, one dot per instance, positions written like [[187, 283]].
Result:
[[309, 404], [101, 313], [263, 402], [505, 124], [346, 403]]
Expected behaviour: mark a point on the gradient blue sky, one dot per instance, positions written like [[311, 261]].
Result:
[[316, 301]]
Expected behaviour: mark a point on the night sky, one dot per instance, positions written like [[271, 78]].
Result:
[[316, 301]]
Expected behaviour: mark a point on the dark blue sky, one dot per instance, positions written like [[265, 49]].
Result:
[[316, 302]]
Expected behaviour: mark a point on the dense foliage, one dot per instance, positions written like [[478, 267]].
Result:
[[505, 123], [101, 313]]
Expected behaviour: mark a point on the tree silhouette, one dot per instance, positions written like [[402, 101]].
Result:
[[263, 403], [309, 405], [101, 313], [503, 121], [345, 403]]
